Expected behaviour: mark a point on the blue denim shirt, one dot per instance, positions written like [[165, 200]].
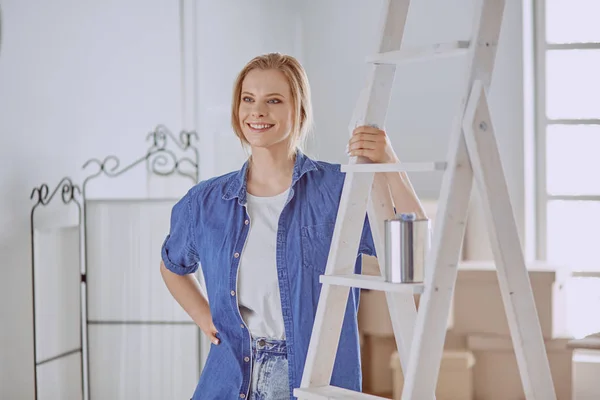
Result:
[[209, 225]]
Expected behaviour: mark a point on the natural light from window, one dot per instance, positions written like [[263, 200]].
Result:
[[568, 140], [572, 21]]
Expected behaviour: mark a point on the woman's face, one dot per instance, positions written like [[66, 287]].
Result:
[[266, 109]]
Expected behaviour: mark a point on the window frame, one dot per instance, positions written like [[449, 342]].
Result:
[[541, 122]]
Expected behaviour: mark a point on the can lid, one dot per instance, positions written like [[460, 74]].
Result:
[[408, 216]]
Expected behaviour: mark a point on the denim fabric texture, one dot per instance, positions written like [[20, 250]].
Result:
[[269, 370], [209, 226]]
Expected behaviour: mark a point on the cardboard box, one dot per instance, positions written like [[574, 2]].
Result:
[[375, 354], [496, 375], [478, 306], [586, 374], [377, 373], [455, 341], [455, 378], [374, 316]]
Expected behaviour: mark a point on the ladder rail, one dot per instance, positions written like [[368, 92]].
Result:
[[371, 109], [455, 193], [333, 300], [513, 277]]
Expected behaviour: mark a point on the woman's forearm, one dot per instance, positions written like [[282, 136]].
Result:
[[405, 198], [186, 291]]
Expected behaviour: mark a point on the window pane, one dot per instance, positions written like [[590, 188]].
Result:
[[573, 84], [572, 21], [572, 233], [572, 161]]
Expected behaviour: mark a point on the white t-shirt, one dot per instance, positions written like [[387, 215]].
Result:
[[258, 285]]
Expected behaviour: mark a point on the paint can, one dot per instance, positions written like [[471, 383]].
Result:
[[407, 243]]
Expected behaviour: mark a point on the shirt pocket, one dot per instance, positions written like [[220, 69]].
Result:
[[316, 241]]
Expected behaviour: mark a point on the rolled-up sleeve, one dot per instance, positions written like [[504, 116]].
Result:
[[178, 250]]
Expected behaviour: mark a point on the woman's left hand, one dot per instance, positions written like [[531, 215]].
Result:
[[372, 143]]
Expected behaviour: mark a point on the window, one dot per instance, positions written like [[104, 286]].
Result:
[[567, 149]]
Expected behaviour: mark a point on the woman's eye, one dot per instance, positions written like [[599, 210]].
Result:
[[246, 99], [274, 101]]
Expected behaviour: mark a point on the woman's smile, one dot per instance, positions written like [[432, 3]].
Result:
[[259, 127]]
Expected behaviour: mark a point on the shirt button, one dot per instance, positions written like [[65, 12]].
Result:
[[246, 222], [233, 292], [242, 326], [236, 255], [242, 396], [246, 359]]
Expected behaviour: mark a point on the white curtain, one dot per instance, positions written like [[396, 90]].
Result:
[[142, 344]]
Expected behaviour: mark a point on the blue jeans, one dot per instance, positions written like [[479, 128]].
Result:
[[269, 370]]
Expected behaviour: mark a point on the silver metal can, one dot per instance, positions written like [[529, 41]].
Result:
[[407, 242]]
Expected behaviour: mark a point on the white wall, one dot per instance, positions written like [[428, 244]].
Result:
[[79, 80]]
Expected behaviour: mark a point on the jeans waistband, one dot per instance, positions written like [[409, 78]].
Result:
[[269, 345]]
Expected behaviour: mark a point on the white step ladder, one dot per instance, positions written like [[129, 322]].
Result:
[[473, 153]]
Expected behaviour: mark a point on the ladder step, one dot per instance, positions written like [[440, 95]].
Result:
[[421, 53], [585, 274], [396, 167], [371, 282], [333, 393]]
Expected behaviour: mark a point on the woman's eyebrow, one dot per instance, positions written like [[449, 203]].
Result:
[[267, 95]]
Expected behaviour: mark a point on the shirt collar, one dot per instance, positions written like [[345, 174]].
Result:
[[237, 186]]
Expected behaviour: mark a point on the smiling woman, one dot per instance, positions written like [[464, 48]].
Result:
[[266, 109], [272, 90], [262, 235]]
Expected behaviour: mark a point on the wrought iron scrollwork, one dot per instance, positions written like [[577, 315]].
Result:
[[161, 134], [160, 160], [70, 193], [68, 190], [164, 162]]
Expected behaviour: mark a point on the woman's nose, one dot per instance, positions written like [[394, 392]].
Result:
[[258, 110]]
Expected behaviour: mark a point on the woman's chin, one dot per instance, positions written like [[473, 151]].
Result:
[[260, 144], [268, 144], [261, 140], [264, 141]]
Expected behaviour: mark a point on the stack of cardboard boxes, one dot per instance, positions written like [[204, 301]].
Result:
[[478, 361], [480, 317]]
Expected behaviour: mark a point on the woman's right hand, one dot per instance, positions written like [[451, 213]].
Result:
[[186, 290], [208, 327]]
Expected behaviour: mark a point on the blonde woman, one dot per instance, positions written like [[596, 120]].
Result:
[[262, 235]]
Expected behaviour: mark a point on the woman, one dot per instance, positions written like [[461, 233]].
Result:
[[262, 235]]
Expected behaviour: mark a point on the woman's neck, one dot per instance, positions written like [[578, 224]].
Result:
[[269, 172]]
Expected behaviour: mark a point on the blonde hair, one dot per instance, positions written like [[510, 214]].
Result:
[[299, 86]]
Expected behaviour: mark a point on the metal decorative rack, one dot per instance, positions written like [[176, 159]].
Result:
[[160, 160], [70, 194]]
